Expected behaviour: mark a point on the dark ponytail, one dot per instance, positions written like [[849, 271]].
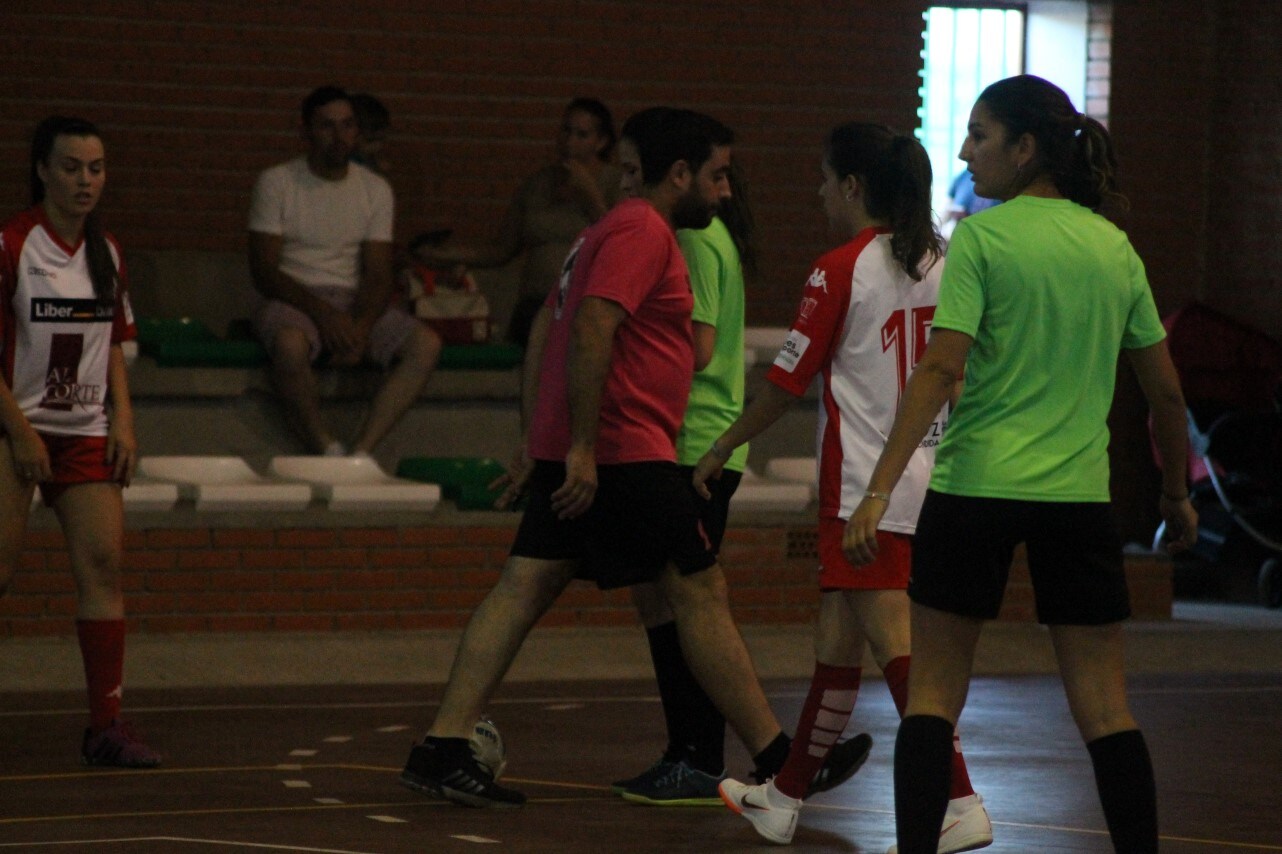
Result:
[[895, 173], [1073, 149], [736, 213], [102, 268]]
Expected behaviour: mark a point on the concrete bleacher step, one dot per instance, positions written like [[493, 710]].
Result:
[[147, 495], [757, 493], [355, 483], [800, 471], [225, 483], [793, 469], [143, 494]]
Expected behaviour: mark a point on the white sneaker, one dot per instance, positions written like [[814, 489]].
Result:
[[966, 827], [772, 813]]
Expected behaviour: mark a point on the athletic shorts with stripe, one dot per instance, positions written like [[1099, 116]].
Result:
[[74, 460], [889, 571], [643, 517]]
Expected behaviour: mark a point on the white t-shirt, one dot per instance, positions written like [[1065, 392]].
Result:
[[323, 222], [863, 325]]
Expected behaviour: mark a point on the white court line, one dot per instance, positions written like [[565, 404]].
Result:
[[285, 707], [228, 843], [482, 840], [536, 701], [387, 819], [338, 739], [1084, 831], [303, 752], [393, 728], [296, 784]]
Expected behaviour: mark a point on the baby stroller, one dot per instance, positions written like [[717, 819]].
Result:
[[1232, 379]]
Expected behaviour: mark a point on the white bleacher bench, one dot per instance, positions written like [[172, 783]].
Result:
[[225, 483], [355, 483], [142, 494]]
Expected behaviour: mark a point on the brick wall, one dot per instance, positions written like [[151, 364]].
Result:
[[202, 579], [197, 96]]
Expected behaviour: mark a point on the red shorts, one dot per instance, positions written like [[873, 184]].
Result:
[[75, 459], [888, 572]]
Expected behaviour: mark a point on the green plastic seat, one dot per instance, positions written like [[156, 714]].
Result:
[[463, 480], [152, 331], [212, 353], [481, 357]]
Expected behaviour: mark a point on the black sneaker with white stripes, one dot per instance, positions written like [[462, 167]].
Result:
[[444, 767]]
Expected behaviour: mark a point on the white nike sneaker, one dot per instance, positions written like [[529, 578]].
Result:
[[966, 827], [772, 813]]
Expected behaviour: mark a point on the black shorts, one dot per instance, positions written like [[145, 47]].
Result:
[[715, 510], [643, 517], [964, 546]]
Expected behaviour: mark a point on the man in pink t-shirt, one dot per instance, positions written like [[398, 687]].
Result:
[[607, 375]]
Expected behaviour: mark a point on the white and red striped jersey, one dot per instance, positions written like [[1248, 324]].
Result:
[[862, 326], [55, 339]]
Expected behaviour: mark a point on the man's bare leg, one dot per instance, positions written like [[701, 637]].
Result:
[[401, 388], [715, 651], [494, 635], [295, 384]]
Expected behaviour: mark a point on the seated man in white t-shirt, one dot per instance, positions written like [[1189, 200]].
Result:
[[320, 251]]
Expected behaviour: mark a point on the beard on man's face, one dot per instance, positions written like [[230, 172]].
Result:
[[691, 211]]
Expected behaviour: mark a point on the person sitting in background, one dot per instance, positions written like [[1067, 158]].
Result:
[[963, 202], [373, 121], [320, 251], [548, 212]]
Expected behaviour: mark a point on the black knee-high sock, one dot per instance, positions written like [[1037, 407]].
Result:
[[923, 765], [696, 730], [1124, 777]]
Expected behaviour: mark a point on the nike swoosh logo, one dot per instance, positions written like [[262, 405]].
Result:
[[949, 827]]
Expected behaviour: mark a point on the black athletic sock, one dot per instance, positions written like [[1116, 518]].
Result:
[[1124, 777], [923, 766], [770, 760], [696, 730]]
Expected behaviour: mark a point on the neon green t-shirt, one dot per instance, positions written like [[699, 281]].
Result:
[[716, 394], [1050, 292]]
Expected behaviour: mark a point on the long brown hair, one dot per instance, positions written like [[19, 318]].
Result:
[[895, 172], [1075, 150], [102, 269]]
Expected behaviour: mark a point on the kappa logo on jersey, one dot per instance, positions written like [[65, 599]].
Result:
[[792, 351], [54, 310], [33, 270], [818, 279]]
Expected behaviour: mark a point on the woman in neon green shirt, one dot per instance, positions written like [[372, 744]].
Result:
[[1039, 296]]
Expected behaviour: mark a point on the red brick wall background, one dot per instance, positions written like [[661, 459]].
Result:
[[197, 96], [203, 579]]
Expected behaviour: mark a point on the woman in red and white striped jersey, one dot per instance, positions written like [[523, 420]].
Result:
[[65, 413]]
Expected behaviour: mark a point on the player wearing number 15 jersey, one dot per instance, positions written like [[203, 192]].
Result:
[[865, 315], [65, 414]]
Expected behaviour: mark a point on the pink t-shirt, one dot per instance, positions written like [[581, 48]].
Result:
[[631, 258]]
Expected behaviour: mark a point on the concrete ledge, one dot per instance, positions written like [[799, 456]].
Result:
[[1202, 638]]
